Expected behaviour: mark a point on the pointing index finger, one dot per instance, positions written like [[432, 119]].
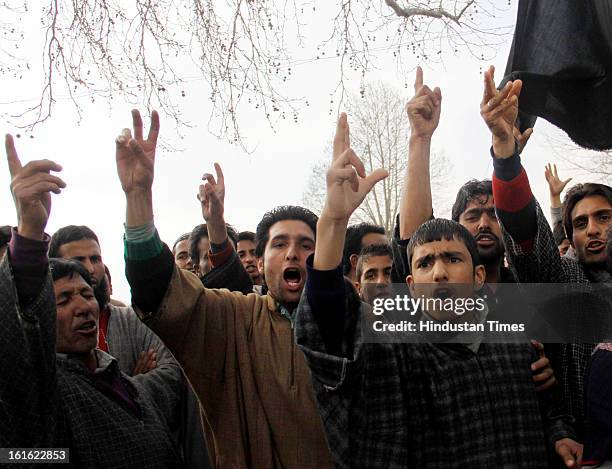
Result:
[[418, 82], [219, 171], [489, 88], [340, 138], [137, 124], [11, 155]]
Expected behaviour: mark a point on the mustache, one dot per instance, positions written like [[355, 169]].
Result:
[[488, 234]]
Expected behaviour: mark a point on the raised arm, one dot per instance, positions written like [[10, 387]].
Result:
[[555, 187], [347, 186], [530, 247], [423, 114], [324, 314], [28, 388]]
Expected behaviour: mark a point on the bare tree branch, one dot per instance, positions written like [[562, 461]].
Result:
[[428, 12], [242, 49]]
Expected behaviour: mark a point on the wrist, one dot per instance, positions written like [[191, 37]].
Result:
[[30, 232], [555, 200], [330, 219], [420, 138], [503, 147], [217, 231], [330, 242], [139, 207]]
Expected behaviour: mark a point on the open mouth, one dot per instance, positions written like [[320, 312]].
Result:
[[293, 278], [595, 246], [88, 327], [443, 293], [250, 269], [486, 239]]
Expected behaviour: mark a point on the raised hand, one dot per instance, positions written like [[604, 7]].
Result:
[[424, 108], [555, 184], [499, 110], [136, 156], [211, 195], [31, 186], [347, 183]]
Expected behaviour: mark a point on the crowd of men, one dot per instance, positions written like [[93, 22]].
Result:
[[247, 349]]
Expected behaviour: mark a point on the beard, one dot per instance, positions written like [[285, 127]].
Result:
[[492, 254], [102, 294]]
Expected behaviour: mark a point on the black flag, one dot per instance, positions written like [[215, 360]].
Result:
[[562, 50]]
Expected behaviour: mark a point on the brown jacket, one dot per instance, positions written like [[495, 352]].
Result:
[[253, 383]]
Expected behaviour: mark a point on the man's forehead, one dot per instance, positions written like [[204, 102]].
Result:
[[434, 248], [70, 284], [82, 247], [377, 261], [480, 201], [291, 229], [245, 244], [590, 204], [182, 245], [373, 238]]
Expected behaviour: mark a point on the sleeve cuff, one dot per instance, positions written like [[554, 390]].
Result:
[[327, 283], [28, 253], [220, 257], [507, 169], [144, 249]]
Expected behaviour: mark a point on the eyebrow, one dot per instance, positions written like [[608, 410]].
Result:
[[597, 212], [285, 237], [444, 254], [477, 211]]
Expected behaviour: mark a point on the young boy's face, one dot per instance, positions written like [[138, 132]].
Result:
[[444, 269]]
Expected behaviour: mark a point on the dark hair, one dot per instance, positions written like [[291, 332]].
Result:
[[232, 234], [352, 241], [201, 231], [369, 251], [284, 212], [575, 195], [182, 237], [61, 268], [246, 236], [68, 234], [439, 229], [471, 190], [559, 233], [198, 232], [6, 232]]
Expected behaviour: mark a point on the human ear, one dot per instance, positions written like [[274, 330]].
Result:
[[410, 283], [480, 276]]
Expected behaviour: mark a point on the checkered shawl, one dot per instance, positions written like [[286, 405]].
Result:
[[544, 265], [393, 406], [46, 401]]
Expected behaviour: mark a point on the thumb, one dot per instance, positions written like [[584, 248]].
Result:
[[566, 181], [374, 177], [567, 456]]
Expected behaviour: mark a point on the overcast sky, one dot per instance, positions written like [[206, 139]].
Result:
[[275, 173]]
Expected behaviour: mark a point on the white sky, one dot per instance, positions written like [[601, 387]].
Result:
[[274, 174]]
